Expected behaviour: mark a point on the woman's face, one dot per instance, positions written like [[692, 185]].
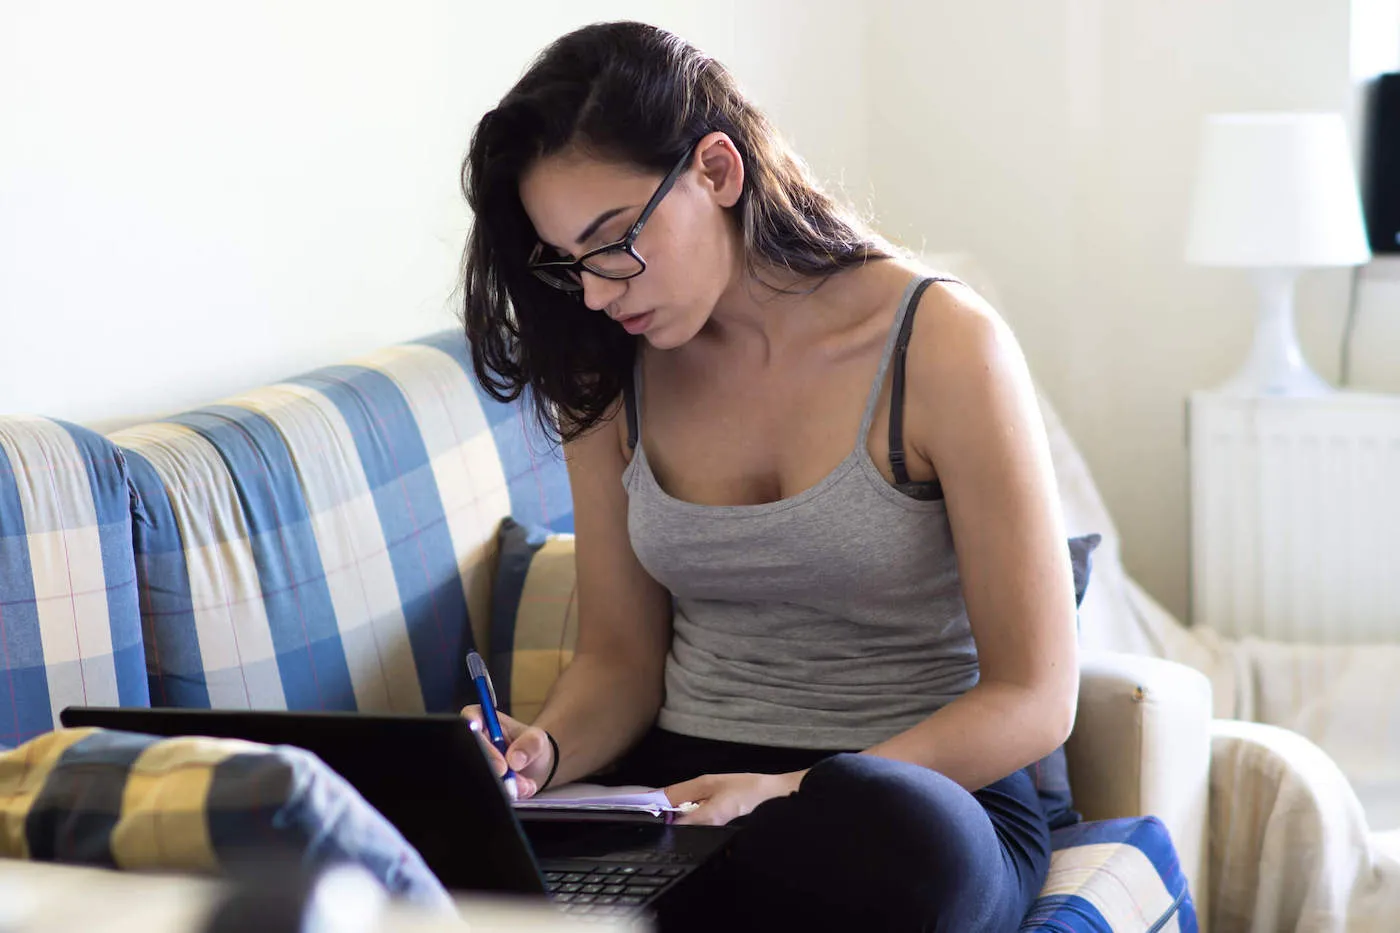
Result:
[[690, 243]]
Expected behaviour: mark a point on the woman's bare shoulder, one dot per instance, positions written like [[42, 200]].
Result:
[[966, 368]]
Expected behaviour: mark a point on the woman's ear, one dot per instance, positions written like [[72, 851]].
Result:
[[721, 168]]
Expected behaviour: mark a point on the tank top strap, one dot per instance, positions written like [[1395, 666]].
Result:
[[898, 331], [630, 389]]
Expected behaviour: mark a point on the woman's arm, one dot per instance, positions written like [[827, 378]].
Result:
[[610, 693], [971, 411]]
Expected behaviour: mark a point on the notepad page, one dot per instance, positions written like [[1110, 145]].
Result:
[[580, 795]]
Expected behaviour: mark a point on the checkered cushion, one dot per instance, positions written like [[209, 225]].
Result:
[[316, 544], [534, 616], [70, 629], [122, 800], [1113, 876]]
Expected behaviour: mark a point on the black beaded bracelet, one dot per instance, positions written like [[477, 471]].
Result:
[[553, 765]]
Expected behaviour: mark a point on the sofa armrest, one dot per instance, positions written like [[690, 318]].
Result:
[[1141, 745], [1290, 848]]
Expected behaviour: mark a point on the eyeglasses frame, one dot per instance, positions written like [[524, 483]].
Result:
[[626, 244]]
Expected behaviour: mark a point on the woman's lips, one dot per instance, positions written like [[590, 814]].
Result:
[[637, 324]]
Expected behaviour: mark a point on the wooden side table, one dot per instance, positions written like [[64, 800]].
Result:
[[1295, 516]]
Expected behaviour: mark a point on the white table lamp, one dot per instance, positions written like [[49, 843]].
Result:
[[1275, 193]]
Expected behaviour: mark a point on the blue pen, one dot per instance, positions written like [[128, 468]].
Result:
[[476, 669]]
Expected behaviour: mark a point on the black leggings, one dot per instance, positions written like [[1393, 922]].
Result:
[[865, 844]]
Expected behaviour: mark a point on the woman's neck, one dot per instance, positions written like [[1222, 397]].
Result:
[[770, 307]]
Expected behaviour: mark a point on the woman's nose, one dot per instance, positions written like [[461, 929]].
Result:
[[599, 292]]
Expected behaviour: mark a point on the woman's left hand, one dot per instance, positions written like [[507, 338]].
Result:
[[724, 797]]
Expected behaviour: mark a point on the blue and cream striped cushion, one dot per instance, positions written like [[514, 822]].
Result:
[[534, 616], [122, 800], [70, 628], [317, 544], [1113, 876]]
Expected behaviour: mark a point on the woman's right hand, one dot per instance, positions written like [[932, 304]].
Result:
[[530, 755]]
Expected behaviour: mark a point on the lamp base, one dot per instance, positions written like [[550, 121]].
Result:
[[1276, 365]]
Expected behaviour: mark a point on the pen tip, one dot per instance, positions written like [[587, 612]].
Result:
[[512, 791]]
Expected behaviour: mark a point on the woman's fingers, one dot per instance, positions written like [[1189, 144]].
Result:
[[511, 728], [498, 762], [699, 791], [707, 814], [529, 754], [530, 748], [696, 790], [524, 787]]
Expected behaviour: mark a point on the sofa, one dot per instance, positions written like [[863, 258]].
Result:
[[330, 542]]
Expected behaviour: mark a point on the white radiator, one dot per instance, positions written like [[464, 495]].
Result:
[[1295, 516]]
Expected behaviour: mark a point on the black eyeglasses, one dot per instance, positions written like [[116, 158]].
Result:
[[618, 260]]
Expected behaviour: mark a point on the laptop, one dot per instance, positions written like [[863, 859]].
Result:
[[429, 776]]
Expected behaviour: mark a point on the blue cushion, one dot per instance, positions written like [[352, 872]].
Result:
[[534, 615], [1051, 774], [1113, 876], [70, 625]]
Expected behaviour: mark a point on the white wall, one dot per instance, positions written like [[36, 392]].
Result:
[[1057, 141], [197, 199]]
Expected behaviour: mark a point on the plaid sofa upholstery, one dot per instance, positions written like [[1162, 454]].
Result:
[[70, 625], [318, 543]]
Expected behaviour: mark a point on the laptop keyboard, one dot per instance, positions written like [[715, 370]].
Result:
[[607, 890]]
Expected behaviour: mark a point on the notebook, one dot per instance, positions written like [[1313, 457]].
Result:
[[581, 798]]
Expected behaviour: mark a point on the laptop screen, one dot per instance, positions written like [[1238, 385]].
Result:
[[426, 774]]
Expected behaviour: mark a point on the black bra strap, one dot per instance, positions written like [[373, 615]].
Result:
[[901, 349], [629, 400]]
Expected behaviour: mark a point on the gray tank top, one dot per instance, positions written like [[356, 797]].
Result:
[[832, 619]]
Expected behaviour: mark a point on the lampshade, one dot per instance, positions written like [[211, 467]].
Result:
[[1275, 189]]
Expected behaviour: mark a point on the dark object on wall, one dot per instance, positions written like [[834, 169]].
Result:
[[1382, 164]]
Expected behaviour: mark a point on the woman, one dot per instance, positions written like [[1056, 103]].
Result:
[[822, 578]]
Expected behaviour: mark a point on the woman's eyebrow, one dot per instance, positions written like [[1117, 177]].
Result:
[[598, 221]]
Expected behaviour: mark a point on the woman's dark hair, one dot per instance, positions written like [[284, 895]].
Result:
[[636, 94]]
